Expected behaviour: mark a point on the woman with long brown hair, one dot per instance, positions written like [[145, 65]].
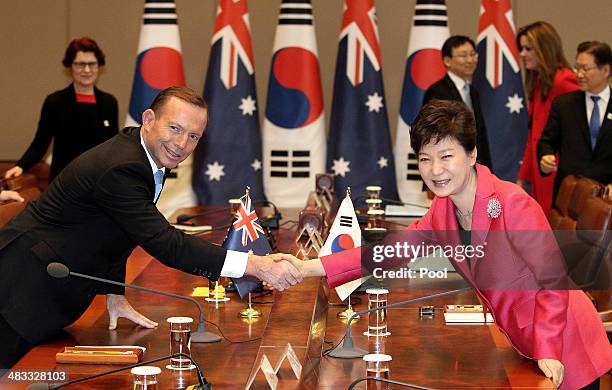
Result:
[[547, 75]]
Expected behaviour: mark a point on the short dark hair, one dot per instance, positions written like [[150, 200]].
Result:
[[599, 50], [186, 94], [84, 44], [454, 42], [441, 119]]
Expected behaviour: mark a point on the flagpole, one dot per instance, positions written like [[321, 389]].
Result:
[[346, 314]]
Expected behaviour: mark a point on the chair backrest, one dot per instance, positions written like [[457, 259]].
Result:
[[585, 189], [564, 196], [10, 209], [593, 229]]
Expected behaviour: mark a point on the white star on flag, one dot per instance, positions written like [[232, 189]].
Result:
[[382, 162], [256, 165], [247, 106], [215, 171], [515, 103], [374, 102], [341, 167]]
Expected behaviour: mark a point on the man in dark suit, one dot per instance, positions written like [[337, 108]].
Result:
[[579, 127], [460, 58], [93, 215]]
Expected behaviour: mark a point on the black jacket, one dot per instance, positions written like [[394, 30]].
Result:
[[445, 89], [90, 218], [74, 128], [567, 133]]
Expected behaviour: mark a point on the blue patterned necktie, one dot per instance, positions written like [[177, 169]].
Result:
[[159, 179], [594, 124]]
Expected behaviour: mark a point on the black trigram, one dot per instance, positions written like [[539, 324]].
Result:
[[295, 12], [346, 221], [430, 13], [290, 163], [159, 12], [412, 168]]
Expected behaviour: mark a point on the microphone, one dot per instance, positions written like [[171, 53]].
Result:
[[383, 380], [201, 335], [202, 385], [348, 351]]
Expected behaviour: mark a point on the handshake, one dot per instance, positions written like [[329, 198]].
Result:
[[281, 270]]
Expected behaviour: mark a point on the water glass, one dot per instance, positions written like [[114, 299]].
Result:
[[377, 319], [373, 192], [377, 366], [180, 342], [145, 377]]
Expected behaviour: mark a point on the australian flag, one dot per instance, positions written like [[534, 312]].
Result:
[[229, 155], [359, 151], [246, 235], [498, 79]]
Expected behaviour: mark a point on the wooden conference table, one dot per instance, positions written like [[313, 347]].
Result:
[[425, 352]]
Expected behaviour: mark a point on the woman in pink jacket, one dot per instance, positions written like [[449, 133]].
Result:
[[547, 75], [521, 277]]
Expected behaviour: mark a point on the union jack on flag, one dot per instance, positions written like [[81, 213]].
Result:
[[359, 26], [498, 79], [246, 221], [232, 29]]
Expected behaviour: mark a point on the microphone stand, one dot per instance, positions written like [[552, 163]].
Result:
[[203, 384], [348, 351], [201, 335]]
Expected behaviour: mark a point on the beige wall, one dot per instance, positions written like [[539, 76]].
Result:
[[35, 33]]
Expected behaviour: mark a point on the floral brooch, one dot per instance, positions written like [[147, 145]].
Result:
[[494, 208]]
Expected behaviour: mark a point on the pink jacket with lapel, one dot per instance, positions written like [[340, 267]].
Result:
[[521, 259]]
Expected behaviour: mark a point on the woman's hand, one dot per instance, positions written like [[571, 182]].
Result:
[[10, 195], [13, 172], [553, 369]]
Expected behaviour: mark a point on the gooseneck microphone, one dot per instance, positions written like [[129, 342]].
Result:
[[202, 385], [383, 380], [201, 335], [348, 351]]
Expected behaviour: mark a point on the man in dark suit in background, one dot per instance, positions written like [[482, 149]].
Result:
[[93, 215], [460, 58], [579, 126]]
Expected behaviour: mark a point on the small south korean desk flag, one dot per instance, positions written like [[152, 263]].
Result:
[[344, 234]]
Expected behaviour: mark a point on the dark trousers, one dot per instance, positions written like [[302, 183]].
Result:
[[13, 345], [593, 386]]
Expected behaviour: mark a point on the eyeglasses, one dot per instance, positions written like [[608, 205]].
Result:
[[465, 56], [584, 68], [83, 65]]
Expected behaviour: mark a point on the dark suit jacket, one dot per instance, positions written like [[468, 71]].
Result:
[[73, 127], [445, 89], [567, 133], [90, 218]]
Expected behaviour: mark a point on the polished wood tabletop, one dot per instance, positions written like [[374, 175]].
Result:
[[425, 351]]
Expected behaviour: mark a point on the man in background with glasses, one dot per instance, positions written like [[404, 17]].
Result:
[[577, 139], [460, 59]]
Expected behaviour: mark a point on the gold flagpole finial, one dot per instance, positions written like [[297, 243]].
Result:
[[247, 190], [348, 192]]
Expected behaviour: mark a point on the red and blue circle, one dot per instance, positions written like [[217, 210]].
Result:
[[295, 97], [156, 69], [342, 242]]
